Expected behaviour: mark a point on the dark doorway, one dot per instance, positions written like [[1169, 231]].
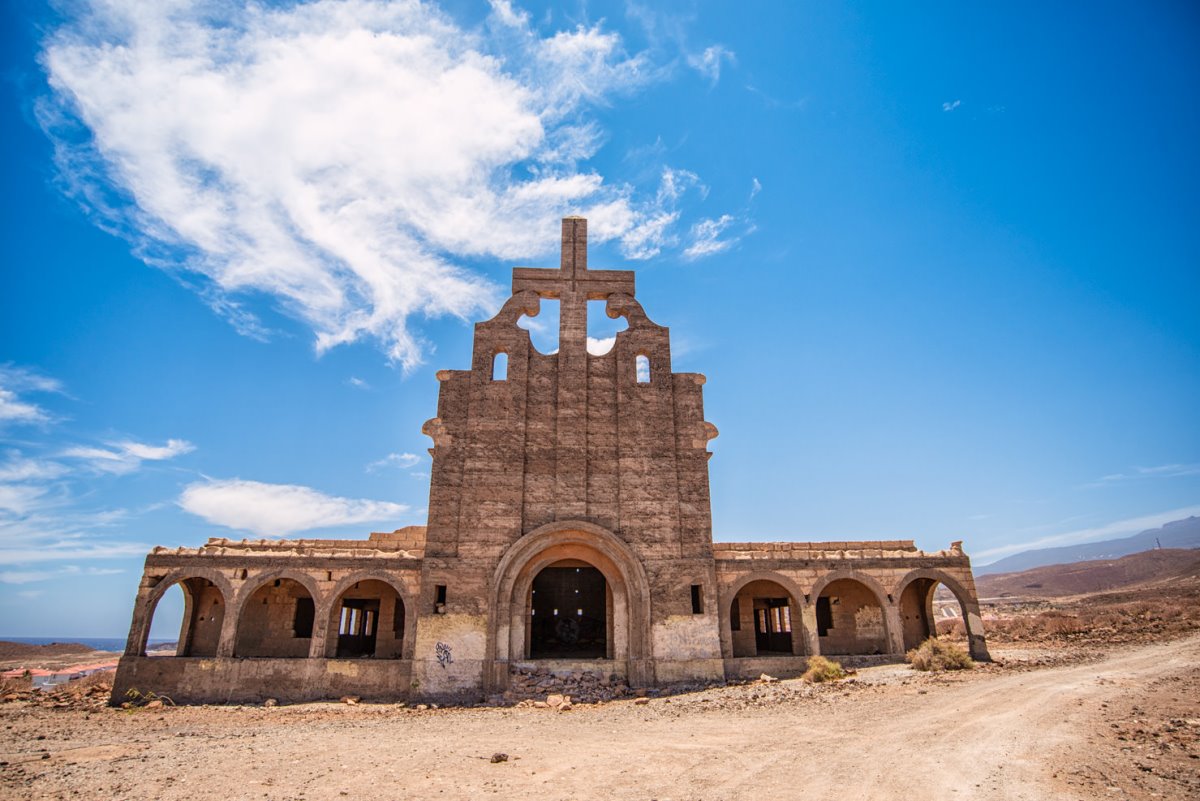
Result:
[[568, 616], [772, 625], [358, 627]]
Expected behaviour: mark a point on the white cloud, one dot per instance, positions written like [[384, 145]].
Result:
[[1157, 471], [708, 63], [400, 460], [19, 468], [755, 188], [17, 380], [20, 499], [128, 455], [642, 368], [706, 237], [280, 509], [598, 346], [344, 158], [358, 383], [1114, 530], [951, 105], [31, 576]]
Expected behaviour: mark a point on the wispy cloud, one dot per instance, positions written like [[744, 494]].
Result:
[[1114, 530], [277, 510], [706, 237], [128, 455], [31, 576], [708, 63], [951, 105], [14, 383], [358, 383], [345, 158], [44, 515], [402, 461], [1145, 473]]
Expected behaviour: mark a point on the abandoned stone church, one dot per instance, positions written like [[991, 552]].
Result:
[[569, 528]]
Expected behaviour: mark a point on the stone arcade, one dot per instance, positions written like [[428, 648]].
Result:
[[569, 528]]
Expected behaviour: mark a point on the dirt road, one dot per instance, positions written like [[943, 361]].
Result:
[[998, 733]]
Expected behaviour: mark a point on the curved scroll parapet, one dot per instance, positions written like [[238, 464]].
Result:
[[435, 429], [621, 305], [521, 304], [708, 432]]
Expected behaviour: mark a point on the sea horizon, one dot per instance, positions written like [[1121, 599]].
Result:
[[98, 643]]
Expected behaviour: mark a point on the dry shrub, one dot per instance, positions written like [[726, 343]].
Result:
[[821, 669], [935, 654], [951, 628]]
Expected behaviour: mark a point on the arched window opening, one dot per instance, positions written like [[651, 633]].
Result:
[[642, 364], [850, 619], [367, 620], [543, 329], [500, 367], [187, 620], [570, 612], [601, 329], [276, 621], [764, 621]]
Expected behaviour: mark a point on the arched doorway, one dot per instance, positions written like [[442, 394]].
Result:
[[570, 612], [276, 621], [202, 616], [929, 597], [571, 545], [850, 619], [764, 620], [366, 620]]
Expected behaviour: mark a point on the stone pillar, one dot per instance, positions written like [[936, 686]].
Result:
[[229, 626], [895, 628], [976, 642], [321, 613], [139, 628], [808, 617]]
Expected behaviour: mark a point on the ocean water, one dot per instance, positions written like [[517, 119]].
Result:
[[99, 643]]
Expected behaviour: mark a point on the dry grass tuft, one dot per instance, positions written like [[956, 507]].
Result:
[[935, 654], [821, 669]]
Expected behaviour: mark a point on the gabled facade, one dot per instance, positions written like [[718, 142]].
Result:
[[569, 526]]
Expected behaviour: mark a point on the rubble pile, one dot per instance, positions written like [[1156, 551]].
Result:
[[73, 695], [587, 687]]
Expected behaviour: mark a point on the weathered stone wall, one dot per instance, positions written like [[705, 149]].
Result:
[[564, 456]]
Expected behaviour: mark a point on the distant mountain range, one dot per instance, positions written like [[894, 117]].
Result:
[[1144, 569], [1179, 534]]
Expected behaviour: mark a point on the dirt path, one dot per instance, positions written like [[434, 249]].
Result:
[[992, 735]]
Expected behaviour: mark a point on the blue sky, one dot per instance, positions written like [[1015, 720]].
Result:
[[940, 265]]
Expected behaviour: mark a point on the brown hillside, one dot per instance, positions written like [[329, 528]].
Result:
[[1102, 575]]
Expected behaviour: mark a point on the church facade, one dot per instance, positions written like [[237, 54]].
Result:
[[569, 528]]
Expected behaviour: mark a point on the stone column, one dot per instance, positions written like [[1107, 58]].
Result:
[[812, 640], [895, 629]]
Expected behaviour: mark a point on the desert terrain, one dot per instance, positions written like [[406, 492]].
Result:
[[1092, 695]]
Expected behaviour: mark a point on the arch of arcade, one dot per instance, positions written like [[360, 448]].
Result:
[[569, 526]]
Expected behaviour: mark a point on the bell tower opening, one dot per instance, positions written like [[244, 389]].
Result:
[[569, 612]]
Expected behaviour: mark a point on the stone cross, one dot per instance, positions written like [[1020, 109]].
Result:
[[573, 285]]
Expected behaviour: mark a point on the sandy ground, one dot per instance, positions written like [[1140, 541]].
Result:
[[1126, 725]]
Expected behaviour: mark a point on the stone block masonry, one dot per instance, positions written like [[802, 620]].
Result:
[[569, 528]]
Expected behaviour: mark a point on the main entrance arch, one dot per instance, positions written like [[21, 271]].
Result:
[[546, 560]]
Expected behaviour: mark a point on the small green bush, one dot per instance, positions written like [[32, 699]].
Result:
[[937, 654], [821, 669]]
